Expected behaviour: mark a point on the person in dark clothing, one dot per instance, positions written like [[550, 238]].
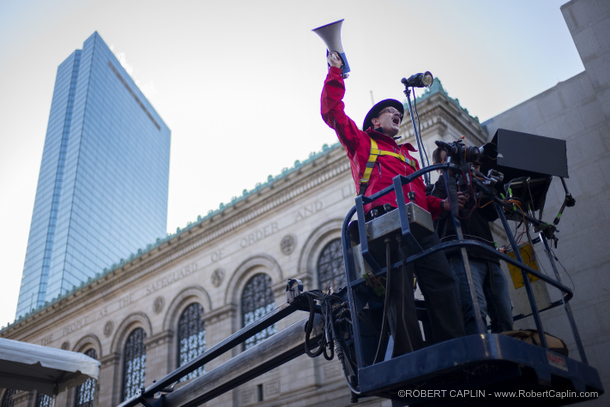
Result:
[[435, 279], [490, 283]]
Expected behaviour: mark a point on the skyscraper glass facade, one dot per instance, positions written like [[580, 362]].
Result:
[[103, 183]]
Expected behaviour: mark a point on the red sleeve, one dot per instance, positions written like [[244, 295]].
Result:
[[434, 205], [332, 97], [333, 112]]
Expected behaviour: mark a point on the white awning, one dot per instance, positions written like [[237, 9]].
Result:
[[25, 366]]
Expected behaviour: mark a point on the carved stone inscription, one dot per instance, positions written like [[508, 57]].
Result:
[[46, 340], [83, 322], [171, 278], [309, 210], [125, 301], [122, 302], [259, 234], [217, 255]]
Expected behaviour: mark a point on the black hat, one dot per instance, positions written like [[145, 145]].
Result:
[[374, 112]]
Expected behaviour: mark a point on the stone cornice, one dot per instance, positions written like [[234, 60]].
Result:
[[21, 396], [159, 339], [220, 314], [111, 359]]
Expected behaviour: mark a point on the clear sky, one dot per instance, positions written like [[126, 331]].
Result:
[[238, 81]]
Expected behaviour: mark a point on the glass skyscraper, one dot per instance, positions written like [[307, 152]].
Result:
[[103, 183]]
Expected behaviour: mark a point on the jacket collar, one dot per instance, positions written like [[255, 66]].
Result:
[[384, 137]]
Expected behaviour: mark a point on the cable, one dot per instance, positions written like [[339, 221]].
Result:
[[425, 154], [552, 252], [331, 305]]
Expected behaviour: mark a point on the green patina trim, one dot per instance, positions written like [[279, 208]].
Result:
[[437, 87]]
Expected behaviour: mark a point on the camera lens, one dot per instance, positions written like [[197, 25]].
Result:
[[472, 154]]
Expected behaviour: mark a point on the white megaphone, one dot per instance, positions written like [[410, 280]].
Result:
[[331, 35]]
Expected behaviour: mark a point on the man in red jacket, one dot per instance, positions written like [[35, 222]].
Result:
[[435, 279]]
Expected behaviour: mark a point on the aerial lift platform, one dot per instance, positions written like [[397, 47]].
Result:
[[473, 370], [482, 369]]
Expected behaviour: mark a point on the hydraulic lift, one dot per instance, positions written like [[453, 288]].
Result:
[[479, 369]]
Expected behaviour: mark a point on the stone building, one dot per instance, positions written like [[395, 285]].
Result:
[[193, 289], [224, 270], [130, 316]]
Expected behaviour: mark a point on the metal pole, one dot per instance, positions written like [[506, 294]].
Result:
[[270, 353], [581, 349], [526, 280], [229, 343], [451, 187], [424, 160]]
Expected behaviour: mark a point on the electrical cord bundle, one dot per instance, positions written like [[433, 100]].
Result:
[[337, 331], [326, 343]]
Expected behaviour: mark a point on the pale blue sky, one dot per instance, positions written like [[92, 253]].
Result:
[[244, 77]]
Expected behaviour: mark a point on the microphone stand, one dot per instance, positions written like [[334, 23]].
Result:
[[423, 157]]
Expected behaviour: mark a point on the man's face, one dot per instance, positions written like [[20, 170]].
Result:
[[389, 120], [443, 155], [443, 160]]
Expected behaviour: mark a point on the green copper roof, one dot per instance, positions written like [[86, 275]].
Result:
[[437, 87]]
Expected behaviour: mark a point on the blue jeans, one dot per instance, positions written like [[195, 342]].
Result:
[[491, 289]]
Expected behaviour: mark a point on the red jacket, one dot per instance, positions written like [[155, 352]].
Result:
[[357, 144]]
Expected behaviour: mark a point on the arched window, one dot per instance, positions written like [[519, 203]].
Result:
[[42, 400], [7, 399], [256, 300], [331, 269], [85, 393], [134, 368], [191, 337]]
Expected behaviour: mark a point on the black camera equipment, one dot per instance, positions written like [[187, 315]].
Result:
[[462, 156], [460, 153], [528, 163], [521, 154]]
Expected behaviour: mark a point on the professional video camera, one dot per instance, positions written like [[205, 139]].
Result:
[[463, 156], [514, 164], [460, 153]]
